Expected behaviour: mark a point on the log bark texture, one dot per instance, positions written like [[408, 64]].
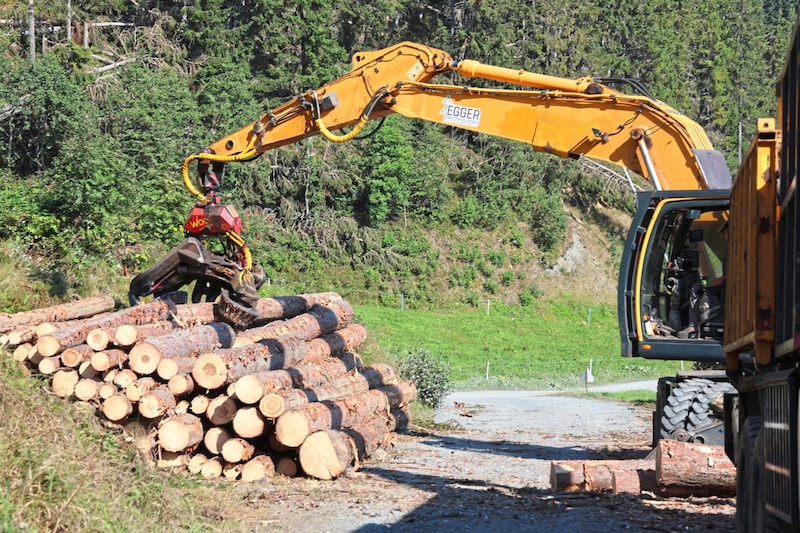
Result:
[[61, 339], [86, 307], [145, 356], [686, 469]]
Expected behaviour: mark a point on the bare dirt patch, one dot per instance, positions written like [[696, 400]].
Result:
[[490, 473]]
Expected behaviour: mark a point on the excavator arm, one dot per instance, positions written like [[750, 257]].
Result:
[[564, 117]]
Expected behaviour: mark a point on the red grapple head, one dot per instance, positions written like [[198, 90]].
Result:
[[213, 219]]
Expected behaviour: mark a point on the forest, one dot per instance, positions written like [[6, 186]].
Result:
[[94, 127]]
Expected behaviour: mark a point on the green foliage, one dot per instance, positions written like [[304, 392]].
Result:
[[430, 374]]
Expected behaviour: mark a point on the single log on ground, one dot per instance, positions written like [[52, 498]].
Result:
[[250, 388], [213, 370], [145, 356], [102, 361], [640, 476], [180, 433], [257, 468], [156, 402], [64, 338], [292, 427], [117, 407], [623, 476], [57, 313], [686, 469], [74, 356], [275, 404], [318, 321], [328, 454]]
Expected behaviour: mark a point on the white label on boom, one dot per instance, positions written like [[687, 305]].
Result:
[[459, 115]]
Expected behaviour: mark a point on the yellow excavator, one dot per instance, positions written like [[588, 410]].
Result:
[[699, 269]]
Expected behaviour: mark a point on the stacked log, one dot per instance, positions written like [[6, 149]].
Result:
[[287, 395]]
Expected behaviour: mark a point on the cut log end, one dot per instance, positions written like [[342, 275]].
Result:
[[326, 454], [210, 371]]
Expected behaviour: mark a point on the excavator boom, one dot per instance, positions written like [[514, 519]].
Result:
[[567, 118]]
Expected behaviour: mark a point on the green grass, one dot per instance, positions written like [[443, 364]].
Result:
[[61, 471], [546, 345]]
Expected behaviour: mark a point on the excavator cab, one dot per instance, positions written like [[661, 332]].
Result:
[[671, 303]]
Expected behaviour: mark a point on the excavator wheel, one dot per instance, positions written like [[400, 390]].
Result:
[[687, 412], [236, 312]]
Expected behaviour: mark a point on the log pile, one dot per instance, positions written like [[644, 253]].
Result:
[[678, 469], [287, 395]]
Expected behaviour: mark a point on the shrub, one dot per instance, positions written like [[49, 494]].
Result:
[[430, 374]]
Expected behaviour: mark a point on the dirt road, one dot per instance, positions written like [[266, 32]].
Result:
[[489, 474]]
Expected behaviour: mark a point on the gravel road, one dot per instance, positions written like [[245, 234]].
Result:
[[490, 473]]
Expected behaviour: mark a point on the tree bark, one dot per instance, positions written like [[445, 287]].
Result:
[[624, 476], [145, 356], [61, 339], [292, 427], [686, 469], [223, 367], [252, 387], [319, 320], [282, 307], [328, 454], [57, 313], [275, 404]]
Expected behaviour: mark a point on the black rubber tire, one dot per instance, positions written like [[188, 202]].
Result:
[[687, 409], [749, 500]]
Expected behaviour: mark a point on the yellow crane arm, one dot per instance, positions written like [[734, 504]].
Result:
[[567, 118]]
